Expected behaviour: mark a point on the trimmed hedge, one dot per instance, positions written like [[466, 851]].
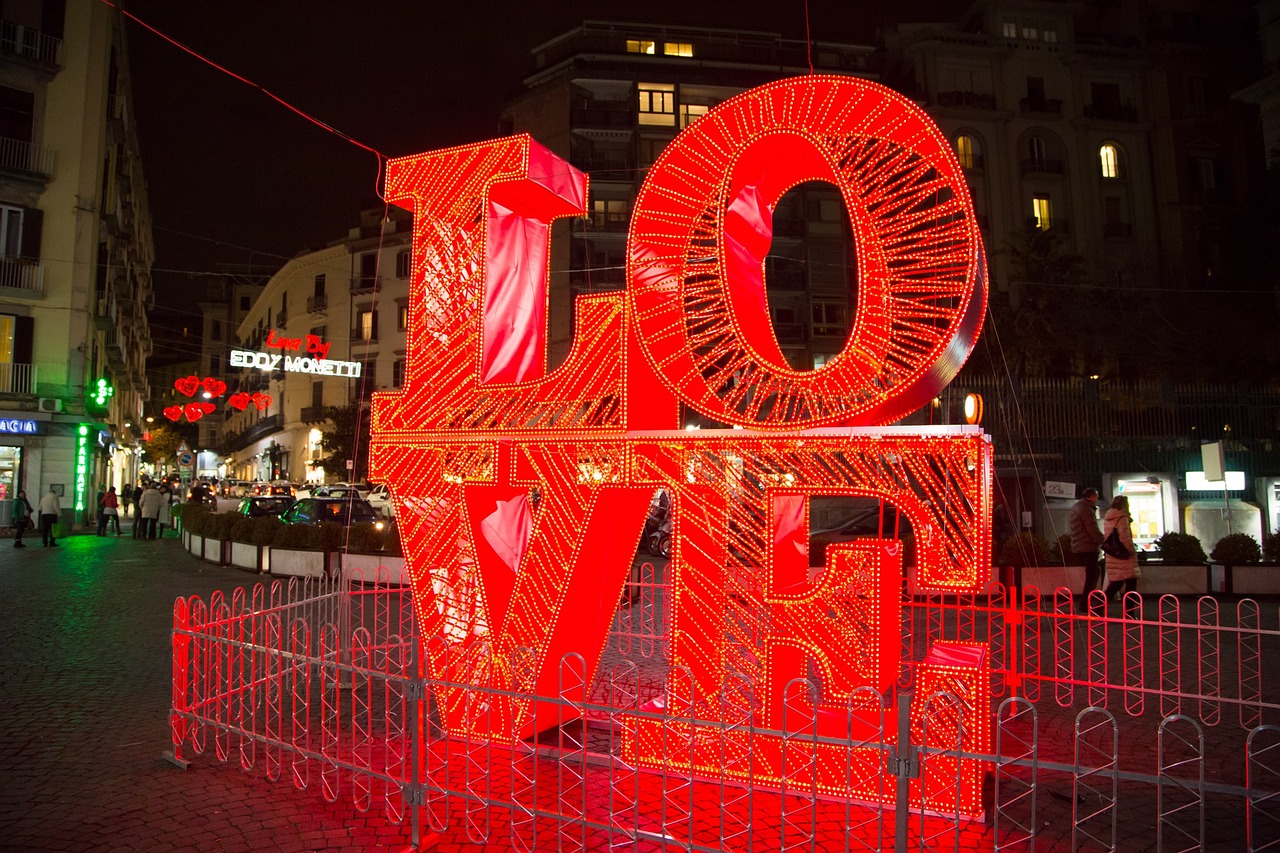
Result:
[[362, 538], [1181, 549], [1236, 548]]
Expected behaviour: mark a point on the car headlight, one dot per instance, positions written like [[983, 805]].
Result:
[[379, 525]]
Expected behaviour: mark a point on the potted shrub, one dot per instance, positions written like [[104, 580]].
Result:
[[194, 522], [370, 549], [1271, 547], [1029, 555], [249, 537], [1230, 572], [1181, 570], [301, 550]]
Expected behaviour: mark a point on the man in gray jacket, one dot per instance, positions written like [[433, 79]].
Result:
[[50, 512], [1086, 537]]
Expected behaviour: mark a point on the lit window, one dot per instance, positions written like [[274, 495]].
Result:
[[678, 48], [1050, 35], [402, 264], [1029, 32], [1036, 148], [1010, 30], [1042, 212], [966, 151], [606, 210], [366, 325], [657, 104], [402, 318], [689, 113], [639, 46], [397, 373], [1110, 161]]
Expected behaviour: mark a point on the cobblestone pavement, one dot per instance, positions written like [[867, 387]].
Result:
[[85, 679]]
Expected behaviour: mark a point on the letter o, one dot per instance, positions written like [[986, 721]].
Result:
[[703, 226]]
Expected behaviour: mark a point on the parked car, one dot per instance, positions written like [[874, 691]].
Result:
[[256, 507], [380, 497], [202, 493], [277, 487], [234, 488], [336, 490], [864, 522], [344, 511]]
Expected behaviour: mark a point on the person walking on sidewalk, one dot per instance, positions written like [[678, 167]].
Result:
[[148, 512], [50, 512], [21, 517], [110, 509], [1086, 538], [126, 495], [1122, 572]]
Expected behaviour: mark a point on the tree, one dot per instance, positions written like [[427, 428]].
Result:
[[347, 440], [162, 446]]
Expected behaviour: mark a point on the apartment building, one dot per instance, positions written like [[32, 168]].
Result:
[[75, 255]]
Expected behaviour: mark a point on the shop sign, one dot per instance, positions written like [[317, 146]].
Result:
[[19, 427], [1198, 482], [294, 363], [522, 493], [1054, 489]]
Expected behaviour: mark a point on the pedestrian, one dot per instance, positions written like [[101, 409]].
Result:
[[148, 512], [21, 517], [50, 512], [102, 516], [165, 518], [1122, 572], [1085, 540], [126, 495], [138, 530], [110, 512]]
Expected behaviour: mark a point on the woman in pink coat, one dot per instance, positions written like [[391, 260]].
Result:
[[1122, 572]]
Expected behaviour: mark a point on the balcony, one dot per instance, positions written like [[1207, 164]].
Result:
[[17, 378], [358, 338], [30, 44], [969, 100], [281, 317], [21, 275], [1041, 106], [1117, 229], [603, 119], [317, 304], [260, 430], [1111, 112], [26, 159], [1057, 226], [1042, 166], [313, 414], [361, 284]]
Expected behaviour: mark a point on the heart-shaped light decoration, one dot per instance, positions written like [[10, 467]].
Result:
[[261, 401], [188, 385], [214, 387], [239, 400], [173, 413], [194, 411], [207, 408]]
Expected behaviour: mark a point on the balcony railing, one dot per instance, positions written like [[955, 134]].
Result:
[[315, 304], [1048, 106], [19, 156], [263, 428], [1042, 166], [22, 275], [17, 378], [281, 317], [313, 414], [1117, 229], [973, 100], [603, 118], [365, 283], [1111, 112], [17, 40], [1057, 226]]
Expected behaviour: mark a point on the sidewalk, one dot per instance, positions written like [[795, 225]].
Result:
[[85, 675]]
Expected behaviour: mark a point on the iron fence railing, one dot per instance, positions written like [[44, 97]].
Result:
[[325, 683]]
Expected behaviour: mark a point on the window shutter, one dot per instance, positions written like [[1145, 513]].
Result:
[[32, 226], [23, 339]]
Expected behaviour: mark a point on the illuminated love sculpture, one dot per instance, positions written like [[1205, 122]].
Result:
[[522, 493]]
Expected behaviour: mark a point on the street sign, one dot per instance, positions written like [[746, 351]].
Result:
[[186, 459], [182, 448]]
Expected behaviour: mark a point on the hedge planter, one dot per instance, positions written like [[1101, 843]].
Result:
[[209, 550], [288, 562], [245, 556], [364, 568], [1245, 579], [1161, 579]]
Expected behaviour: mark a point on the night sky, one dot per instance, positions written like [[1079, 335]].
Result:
[[235, 177]]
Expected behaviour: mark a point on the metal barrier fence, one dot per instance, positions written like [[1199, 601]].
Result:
[[1106, 734]]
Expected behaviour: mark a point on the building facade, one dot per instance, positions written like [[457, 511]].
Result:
[[75, 273], [329, 328]]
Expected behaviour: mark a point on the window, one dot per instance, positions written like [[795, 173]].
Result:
[[17, 113], [397, 373], [284, 304], [1197, 94], [1035, 89], [215, 331], [366, 325], [1111, 210], [689, 113], [245, 303], [1029, 32], [368, 271], [1036, 148], [828, 318], [402, 318], [317, 287], [10, 231], [402, 264], [677, 48], [1042, 212], [966, 151], [1049, 35], [608, 210], [213, 365], [640, 46], [650, 148], [317, 394], [1109, 156], [1010, 29], [657, 104], [1206, 173]]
